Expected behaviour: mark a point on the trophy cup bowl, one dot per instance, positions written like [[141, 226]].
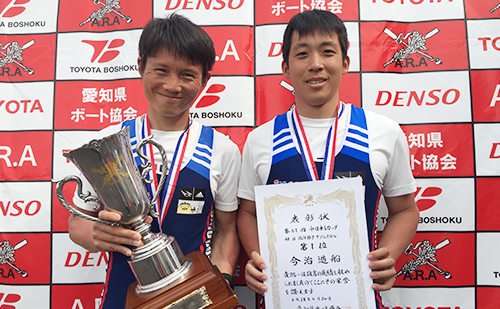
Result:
[[159, 265], [110, 168]]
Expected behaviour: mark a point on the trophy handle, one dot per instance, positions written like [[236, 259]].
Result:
[[147, 168], [84, 197]]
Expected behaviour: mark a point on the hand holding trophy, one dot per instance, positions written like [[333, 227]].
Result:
[[109, 166]]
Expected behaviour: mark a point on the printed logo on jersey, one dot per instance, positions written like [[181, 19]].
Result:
[[109, 13], [191, 200], [12, 8], [351, 174], [11, 58], [8, 268]]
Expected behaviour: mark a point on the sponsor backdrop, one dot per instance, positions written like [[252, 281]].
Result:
[[69, 68]]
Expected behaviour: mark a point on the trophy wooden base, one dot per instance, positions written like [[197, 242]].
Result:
[[203, 286]]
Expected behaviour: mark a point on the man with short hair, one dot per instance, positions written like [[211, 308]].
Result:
[[324, 138], [175, 63]]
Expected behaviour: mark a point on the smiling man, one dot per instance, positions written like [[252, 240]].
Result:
[[320, 131], [175, 62]]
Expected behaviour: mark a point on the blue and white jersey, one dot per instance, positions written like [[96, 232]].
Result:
[[352, 160]]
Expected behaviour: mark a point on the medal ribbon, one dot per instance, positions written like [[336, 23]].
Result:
[[305, 150], [173, 172]]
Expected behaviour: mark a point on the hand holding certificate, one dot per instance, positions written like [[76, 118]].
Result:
[[313, 237]]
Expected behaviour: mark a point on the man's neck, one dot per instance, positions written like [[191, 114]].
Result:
[[318, 112], [168, 123]]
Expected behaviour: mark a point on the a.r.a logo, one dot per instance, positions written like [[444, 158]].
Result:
[[7, 259], [425, 256], [495, 8], [412, 43], [109, 14], [11, 57]]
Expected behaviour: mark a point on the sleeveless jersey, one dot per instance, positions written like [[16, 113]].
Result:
[[192, 231], [352, 160]]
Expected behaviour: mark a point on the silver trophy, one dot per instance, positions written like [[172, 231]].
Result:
[[110, 168]]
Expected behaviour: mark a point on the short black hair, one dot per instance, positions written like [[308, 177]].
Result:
[[180, 36], [309, 22]]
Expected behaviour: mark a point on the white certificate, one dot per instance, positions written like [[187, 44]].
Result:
[[313, 237]]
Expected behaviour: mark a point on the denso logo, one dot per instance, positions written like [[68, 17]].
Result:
[[206, 4], [105, 50], [7, 301], [90, 259], [17, 208], [493, 42], [22, 106], [26, 156], [425, 198], [275, 50], [407, 98], [495, 151], [12, 8]]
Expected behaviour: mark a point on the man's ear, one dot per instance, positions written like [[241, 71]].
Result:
[[139, 65], [285, 69], [209, 75], [345, 66]]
